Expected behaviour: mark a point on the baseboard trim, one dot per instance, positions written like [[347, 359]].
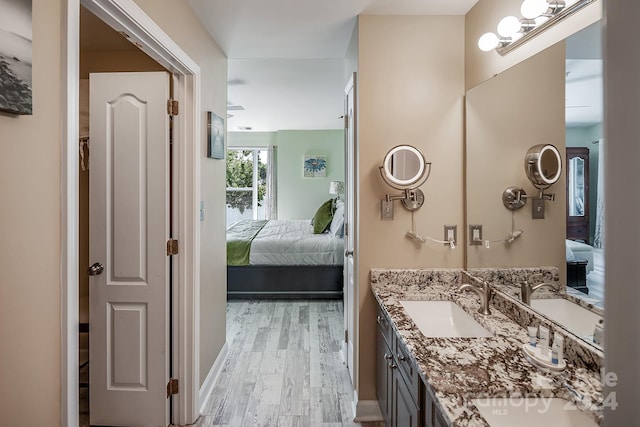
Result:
[[212, 377], [366, 410]]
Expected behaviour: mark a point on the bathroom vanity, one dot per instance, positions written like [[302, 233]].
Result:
[[438, 376]]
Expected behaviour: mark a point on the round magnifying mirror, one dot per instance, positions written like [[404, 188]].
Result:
[[404, 166], [543, 165]]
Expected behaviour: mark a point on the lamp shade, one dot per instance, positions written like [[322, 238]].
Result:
[[336, 187]]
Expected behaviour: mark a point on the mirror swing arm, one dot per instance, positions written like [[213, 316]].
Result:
[[412, 198], [417, 170], [543, 166]]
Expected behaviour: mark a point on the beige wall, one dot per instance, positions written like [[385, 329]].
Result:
[[30, 244], [622, 293], [506, 115], [484, 17], [180, 23], [411, 88], [30, 185]]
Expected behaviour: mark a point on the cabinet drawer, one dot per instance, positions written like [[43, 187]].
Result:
[[384, 326], [408, 370]]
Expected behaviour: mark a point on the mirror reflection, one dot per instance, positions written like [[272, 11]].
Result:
[[404, 165], [554, 97], [576, 187], [543, 165]]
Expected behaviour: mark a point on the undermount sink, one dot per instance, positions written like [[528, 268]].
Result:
[[572, 316], [532, 412], [440, 319]]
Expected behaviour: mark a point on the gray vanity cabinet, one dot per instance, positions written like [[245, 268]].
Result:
[[432, 416], [404, 399], [398, 387]]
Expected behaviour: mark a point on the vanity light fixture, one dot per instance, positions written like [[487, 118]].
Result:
[[537, 16]]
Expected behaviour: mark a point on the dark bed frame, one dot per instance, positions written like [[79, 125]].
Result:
[[284, 281]]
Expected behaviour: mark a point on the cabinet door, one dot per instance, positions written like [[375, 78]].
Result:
[[578, 194], [383, 378], [405, 411], [431, 413], [407, 369]]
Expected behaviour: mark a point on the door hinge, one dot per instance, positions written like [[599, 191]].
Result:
[[172, 107], [346, 228], [172, 387], [346, 121], [346, 335], [172, 247]]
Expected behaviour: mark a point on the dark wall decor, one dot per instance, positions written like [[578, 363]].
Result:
[[15, 56]]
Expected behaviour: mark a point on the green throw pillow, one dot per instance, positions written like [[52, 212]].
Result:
[[322, 218]]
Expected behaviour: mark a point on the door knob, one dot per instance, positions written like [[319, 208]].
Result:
[[95, 270], [348, 253]]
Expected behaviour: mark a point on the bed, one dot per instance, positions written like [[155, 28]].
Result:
[[580, 251], [285, 259]]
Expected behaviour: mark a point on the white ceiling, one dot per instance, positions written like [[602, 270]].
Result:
[[584, 85], [285, 56]]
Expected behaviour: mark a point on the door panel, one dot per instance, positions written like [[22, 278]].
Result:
[[129, 228], [350, 263]]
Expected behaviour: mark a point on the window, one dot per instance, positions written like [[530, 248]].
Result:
[[247, 193]]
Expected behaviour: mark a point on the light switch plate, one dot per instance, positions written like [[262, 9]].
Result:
[[386, 209], [475, 234], [537, 208], [449, 232]]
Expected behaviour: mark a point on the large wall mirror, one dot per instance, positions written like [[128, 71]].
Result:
[[554, 97]]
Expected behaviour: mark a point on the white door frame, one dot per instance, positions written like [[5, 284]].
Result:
[[125, 16], [351, 310]]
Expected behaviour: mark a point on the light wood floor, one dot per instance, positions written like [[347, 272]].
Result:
[[283, 368]]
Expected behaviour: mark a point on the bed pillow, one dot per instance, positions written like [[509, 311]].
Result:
[[337, 223], [322, 218]]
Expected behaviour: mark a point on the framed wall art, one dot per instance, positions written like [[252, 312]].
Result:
[[215, 136], [15, 56], [315, 166]]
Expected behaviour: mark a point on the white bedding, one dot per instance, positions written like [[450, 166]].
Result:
[[578, 250], [292, 242]]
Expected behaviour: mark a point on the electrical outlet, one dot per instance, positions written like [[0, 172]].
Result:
[[386, 209], [537, 208], [475, 234], [451, 233]]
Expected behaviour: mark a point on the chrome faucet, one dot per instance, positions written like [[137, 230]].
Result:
[[484, 291], [526, 290]]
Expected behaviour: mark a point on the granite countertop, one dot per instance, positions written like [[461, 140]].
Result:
[[460, 369]]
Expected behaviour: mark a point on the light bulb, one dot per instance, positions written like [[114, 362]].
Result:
[[531, 9], [516, 36], [488, 41], [509, 26]]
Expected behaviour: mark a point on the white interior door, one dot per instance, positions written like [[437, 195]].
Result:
[[350, 271], [129, 229]]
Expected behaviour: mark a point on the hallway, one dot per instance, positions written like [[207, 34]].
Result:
[[283, 367]]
